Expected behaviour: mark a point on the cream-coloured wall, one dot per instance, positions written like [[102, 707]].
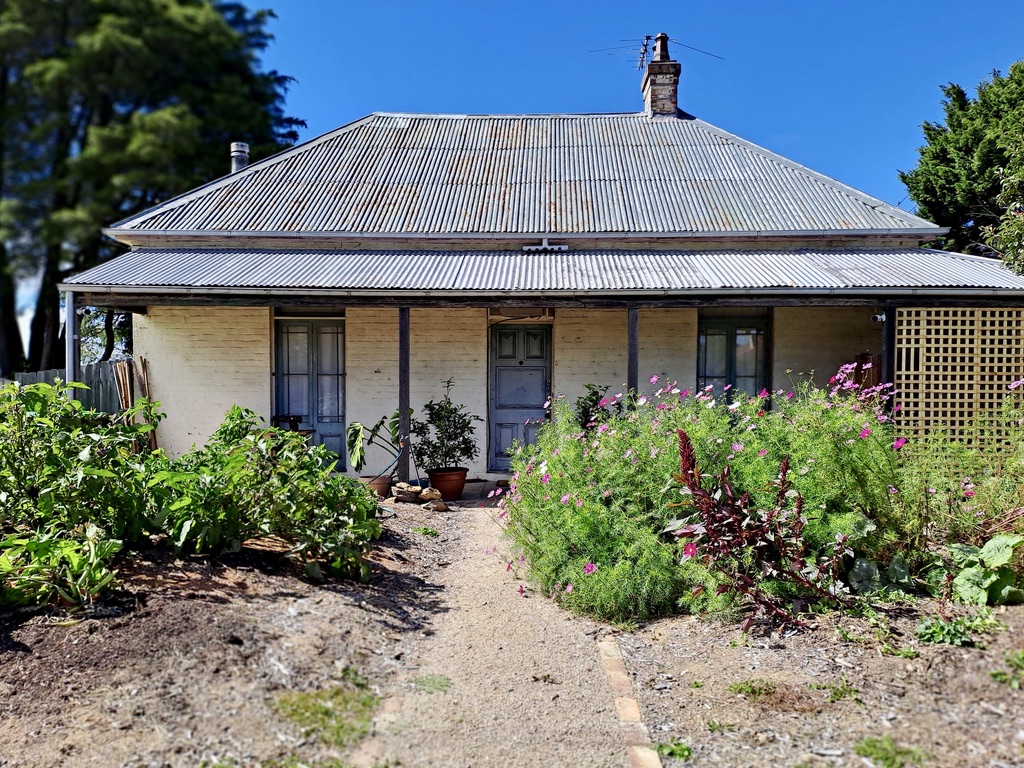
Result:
[[371, 373], [820, 339], [451, 343], [668, 346], [201, 362], [589, 348]]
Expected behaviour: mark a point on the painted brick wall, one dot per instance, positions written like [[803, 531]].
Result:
[[371, 377], [668, 346], [201, 362], [590, 348], [451, 343], [820, 340]]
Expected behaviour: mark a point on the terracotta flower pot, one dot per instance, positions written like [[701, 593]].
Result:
[[450, 481], [380, 485]]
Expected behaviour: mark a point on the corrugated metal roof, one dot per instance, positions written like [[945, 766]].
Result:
[[592, 271], [524, 174]]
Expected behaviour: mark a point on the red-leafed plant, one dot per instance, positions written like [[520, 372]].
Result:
[[759, 554]]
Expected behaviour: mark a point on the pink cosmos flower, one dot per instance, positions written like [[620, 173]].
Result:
[[968, 493], [763, 392], [508, 567], [589, 568], [900, 442], [763, 452], [603, 403], [684, 393], [545, 478], [689, 550], [654, 379], [737, 447], [522, 592], [568, 587], [864, 433], [789, 395], [565, 499], [602, 429]]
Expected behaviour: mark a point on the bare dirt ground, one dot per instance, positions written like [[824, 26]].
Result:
[[184, 666]]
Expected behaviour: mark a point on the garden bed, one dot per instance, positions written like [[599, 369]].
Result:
[[185, 664]]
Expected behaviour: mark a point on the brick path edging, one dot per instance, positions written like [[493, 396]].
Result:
[[634, 732]]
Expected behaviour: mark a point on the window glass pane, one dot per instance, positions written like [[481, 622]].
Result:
[[296, 358], [714, 357], [329, 405], [748, 351], [296, 395]]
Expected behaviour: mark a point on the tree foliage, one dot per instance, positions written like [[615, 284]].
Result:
[[959, 180], [107, 107]]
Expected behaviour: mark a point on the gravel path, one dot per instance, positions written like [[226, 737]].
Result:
[[501, 679]]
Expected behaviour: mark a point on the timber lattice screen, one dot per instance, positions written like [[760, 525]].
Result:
[[954, 365]]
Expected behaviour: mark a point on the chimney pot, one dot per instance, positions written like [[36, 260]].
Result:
[[660, 85], [239, 156]]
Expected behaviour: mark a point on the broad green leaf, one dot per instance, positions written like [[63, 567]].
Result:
[[971, 585], [97, 472], [1004, 589], [998, 550], [964, 555], [864, 576]]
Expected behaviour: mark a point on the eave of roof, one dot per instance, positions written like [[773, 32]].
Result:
[[798, 272]]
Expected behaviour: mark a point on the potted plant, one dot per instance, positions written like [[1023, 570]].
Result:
[[359, 439], [444, 439]]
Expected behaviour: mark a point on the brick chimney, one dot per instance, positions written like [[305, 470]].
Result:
[[660, 85]]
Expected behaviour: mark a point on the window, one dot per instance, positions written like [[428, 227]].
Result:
[[733, 351]]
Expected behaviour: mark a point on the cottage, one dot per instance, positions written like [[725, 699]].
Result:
[[528, 254]]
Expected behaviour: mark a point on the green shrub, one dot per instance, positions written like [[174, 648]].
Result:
[[76, 485], [586, 502], [251, 480], [64, 465]]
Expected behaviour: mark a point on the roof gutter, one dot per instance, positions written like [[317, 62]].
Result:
[[391, 294]]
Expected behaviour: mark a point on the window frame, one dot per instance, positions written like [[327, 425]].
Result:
[[731, 324]]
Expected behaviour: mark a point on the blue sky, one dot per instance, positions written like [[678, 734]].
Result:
[[841, 87]]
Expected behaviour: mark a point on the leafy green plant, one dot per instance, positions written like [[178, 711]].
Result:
[[1013, 675], [359, 439], [838, 691], [956, 631], [749, 548], [675, 749], [697, 684], [886, 753], [596, 407], [447, 435], [986, 577], [423, 530], [41, 566], [755, 688], [251, 480], [716, 726]]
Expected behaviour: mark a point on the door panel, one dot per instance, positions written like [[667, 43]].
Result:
[[311, 380], [520, 385]]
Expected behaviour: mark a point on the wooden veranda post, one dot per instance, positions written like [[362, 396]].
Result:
[[633, 350], [403, 390]]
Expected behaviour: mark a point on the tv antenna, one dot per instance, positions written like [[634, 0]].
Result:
[[644, 53]]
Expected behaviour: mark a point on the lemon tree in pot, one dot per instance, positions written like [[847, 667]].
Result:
[[445, 438]]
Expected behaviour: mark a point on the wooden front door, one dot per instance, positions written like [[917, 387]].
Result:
[[520, 383], [310, 382]]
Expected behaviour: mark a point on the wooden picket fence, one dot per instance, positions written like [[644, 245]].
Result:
[[102, 379]]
